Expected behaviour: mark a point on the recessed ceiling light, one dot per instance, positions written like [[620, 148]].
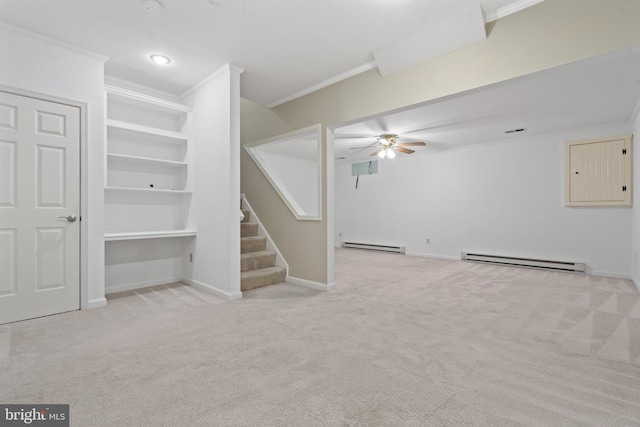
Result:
[[160, 59]]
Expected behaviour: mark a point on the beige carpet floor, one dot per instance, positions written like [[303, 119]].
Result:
[[401, 341]]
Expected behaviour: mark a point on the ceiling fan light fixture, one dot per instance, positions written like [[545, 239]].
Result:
[[386, 153], [387, 144], [387, 139]]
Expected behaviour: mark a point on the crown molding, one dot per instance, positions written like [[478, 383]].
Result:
[[211, 77], [139, 88], [335, 79], [49, 40]]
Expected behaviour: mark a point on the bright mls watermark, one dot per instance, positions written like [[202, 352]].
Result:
[[34, 415]]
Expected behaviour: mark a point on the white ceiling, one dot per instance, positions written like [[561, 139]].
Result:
[[284, 46], [288, 47], [596, 92]]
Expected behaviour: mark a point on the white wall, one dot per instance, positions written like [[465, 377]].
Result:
[[296, 177], [635, 228], [500, 199], [134, 264], [33, 63], [216, 184]]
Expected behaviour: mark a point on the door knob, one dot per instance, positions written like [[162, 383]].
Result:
[[70, 218]]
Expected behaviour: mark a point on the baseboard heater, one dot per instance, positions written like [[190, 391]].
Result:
[[384, 248], [577, 267]]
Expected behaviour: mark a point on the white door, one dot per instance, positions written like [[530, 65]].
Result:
[[39, 208]]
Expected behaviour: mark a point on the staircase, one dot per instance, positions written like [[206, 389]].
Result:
[[257, 264]]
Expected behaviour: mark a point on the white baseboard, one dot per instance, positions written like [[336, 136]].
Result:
[[139, 285], [96, 303], [310, 284], [609, 274], [214, 290]]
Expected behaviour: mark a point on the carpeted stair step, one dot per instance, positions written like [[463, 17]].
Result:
[[261, 277], [253, 244], [248, 229], [257, 265], [255, 260]]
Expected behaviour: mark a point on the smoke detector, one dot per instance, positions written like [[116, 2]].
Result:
[[152, 6]]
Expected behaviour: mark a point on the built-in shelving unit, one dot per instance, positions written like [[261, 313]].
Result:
[[148, 191], [148, 176]]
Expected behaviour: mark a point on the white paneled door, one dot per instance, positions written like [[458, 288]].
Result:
[[39, 208]]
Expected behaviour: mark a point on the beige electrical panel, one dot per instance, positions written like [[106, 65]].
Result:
[[598, 172]]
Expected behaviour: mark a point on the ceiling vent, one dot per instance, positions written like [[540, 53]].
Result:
[[515, 130]]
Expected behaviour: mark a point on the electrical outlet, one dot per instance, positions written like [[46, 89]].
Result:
[[190, 257]]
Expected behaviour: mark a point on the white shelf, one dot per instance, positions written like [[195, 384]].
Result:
[[145, 129], [140, 235], [146, 160], [147, 190]]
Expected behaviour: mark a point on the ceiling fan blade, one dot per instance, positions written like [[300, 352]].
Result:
[[375, 153], [412, 144], [404, 150]]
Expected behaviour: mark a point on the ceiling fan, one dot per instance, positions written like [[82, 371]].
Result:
[[388, 142]]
